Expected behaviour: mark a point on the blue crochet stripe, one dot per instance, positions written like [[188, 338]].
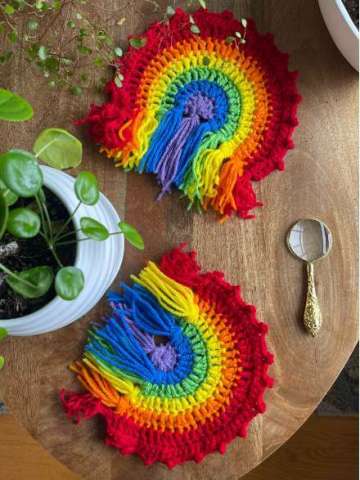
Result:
[[171, 121]]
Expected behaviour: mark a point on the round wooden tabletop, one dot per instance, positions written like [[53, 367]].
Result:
[[320, 180]]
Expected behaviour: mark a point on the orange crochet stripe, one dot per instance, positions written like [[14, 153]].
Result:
[[135, 405]]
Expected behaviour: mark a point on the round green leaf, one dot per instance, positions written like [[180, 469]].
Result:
[[86, 188], [195, 29], [32, 24], [69, 282], [42, 52], [138, 42], [3, 333], [20, 172], [13, 107], [230, 39], [58, 148], [23, 223], [10, 197], [31, 283], [2, 362], [4, 214], [118, 51], [9, 9], [93, 229], [132, 235]]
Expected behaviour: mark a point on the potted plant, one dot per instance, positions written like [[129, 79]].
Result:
[[61, 241], [340, 17]]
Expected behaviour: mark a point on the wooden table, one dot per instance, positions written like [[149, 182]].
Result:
[[320, 180]]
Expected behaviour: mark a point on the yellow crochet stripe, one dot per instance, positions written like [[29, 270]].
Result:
[[181, 301]]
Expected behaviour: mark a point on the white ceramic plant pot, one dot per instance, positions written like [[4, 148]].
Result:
[[99, 261], [342, 29]]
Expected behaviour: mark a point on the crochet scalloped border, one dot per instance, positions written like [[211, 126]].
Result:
[[184, 397]]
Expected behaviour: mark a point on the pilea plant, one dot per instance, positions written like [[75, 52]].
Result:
[[21, 178], [13, 108]]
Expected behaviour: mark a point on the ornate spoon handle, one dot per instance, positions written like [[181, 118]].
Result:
[[312, 312]]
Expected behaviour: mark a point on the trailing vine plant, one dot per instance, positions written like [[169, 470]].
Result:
[[65, 40]]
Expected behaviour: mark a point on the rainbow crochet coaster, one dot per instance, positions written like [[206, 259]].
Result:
[[205, 113], [179, 369]]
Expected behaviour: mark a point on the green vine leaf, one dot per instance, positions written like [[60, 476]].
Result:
[[3, 333], [9, 9], [69, 282], [58, 148], [14, 108], [31, 283], [132, 235], [32, 24], [195, 29], [230, 39], [2, 362], [42, 53], [86, 188], [93, 229], [118, 51], [138, 42], [23, 223], [20, 172], [4, 214]]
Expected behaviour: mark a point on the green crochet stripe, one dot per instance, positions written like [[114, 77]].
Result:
[[189, 385], [212, 75]]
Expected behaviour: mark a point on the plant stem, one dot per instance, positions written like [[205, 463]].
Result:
[[70, 242], [11, 274], [67, 222], [48, 219], [41, 211], [53, 251], [72, 232]]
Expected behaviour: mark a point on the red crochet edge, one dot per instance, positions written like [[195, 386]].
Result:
[[105, 121], [172, 448]]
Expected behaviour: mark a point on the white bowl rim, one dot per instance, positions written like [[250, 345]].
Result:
[[346, 16]]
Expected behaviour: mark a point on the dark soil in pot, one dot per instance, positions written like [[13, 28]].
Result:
[[30, 253]]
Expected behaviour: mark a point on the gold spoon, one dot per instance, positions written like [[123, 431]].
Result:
[[310, 240]]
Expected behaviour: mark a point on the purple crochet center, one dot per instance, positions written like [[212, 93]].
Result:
[[199, 107], [164, 356]]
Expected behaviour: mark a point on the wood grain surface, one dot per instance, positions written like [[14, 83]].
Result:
[[324, 448], [320, 180]]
